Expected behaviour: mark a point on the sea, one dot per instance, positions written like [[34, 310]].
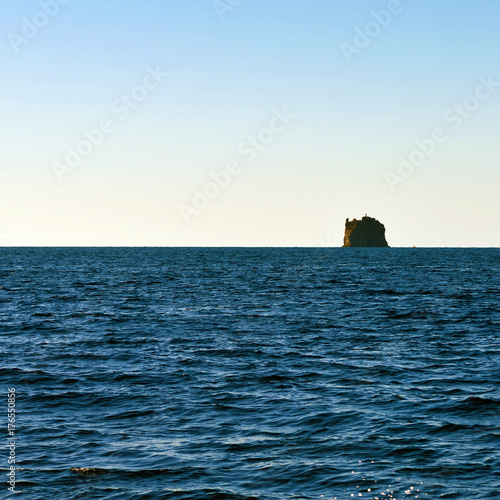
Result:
[[250, 373]]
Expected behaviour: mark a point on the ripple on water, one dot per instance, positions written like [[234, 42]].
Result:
[[253, 373]]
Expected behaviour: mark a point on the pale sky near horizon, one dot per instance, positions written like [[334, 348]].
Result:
[[318, 110]]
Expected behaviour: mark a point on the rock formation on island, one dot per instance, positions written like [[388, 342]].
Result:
[[367, 232]]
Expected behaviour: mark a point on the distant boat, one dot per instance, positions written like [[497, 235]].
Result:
[[414, 246]]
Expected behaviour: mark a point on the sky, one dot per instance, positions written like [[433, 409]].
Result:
[[248, 122]]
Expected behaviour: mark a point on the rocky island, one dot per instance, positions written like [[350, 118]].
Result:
[[367, 232]]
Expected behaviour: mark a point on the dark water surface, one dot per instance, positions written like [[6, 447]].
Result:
[[252, 373]]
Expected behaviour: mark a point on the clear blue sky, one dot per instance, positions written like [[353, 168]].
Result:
[[219, 83]]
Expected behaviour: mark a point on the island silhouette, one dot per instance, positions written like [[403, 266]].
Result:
[[367, 232]]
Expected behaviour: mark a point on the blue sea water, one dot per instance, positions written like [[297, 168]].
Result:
[[262, 374]]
